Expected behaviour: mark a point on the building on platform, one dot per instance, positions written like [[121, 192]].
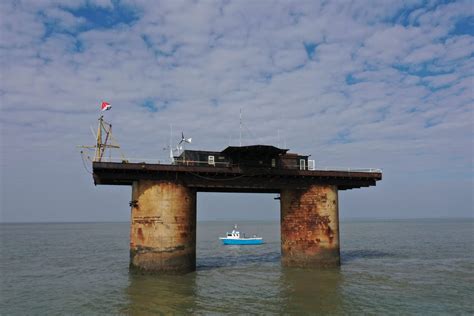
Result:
[[255, 156]]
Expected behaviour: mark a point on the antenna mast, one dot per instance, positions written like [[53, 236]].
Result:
[[98, 142], [278, 138], [171, 145], [240, 142], [101, 146], [102, 143]]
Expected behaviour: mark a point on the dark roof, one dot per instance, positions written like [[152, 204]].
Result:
[[204, 152], [293, 155], [254, 151]]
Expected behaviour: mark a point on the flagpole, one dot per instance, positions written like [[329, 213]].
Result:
[[99, 139]]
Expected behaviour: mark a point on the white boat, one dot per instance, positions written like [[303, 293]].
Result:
[[234, 238]]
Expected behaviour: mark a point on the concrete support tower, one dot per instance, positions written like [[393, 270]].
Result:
[[163, 227], [310, 227]]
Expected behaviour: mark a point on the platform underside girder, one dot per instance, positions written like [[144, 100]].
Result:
[[215, 179]]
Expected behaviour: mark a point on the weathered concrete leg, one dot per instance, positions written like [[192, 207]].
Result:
[[163, 227], [310, 227]]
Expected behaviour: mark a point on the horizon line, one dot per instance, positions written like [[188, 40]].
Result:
[[248, 220]]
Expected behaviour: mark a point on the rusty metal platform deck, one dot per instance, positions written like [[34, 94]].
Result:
[[230, 179]]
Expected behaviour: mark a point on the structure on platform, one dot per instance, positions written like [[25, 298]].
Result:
[[163, 203]]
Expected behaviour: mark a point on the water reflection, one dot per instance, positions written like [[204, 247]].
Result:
[[161, 294], [311, 291], [250, 288], [238, 257]]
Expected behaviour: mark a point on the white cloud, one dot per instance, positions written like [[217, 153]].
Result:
[[459, 47], [400, 92], [441, 80]]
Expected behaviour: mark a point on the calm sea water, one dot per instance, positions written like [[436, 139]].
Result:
[[388, 267]]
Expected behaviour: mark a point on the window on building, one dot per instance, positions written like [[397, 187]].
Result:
[[273, 162], [210, 160], [302, 164], [311, 165]]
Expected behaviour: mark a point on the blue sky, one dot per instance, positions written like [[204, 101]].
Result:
[[386, 84]]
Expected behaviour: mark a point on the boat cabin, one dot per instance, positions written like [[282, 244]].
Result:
[[255, 156], [233, 234]]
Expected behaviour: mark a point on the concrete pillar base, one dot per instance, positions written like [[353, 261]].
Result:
[[163, 228], [310, 227]]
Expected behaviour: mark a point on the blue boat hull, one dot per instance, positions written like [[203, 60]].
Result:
[[242, 241]]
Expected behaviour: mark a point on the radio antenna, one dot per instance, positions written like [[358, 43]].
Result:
[[240, 142], [278, 138]]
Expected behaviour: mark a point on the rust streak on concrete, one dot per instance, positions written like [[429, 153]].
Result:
[[310, 227], [163, 227]]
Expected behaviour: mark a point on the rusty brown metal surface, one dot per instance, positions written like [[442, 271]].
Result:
[[310, 227], [163, 227], [233, 179]]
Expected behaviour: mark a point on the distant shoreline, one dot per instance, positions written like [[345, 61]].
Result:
[[352, 219]]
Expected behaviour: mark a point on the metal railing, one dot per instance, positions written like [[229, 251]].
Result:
[[374, 170], [227, 164], [132, 160], [202, 163]]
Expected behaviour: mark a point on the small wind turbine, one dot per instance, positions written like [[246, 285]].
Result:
[[185, 140]]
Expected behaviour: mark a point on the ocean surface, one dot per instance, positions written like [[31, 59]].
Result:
[[388, 267]]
